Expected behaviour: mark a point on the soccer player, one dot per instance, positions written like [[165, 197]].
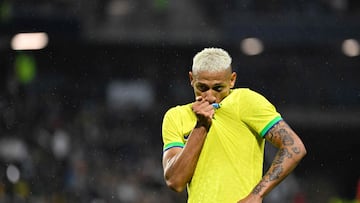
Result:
[[214, 146]]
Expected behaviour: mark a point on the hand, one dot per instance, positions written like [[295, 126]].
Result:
[[251, 198], [204, 112]]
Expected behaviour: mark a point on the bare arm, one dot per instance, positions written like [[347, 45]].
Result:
[[290, 151], [179, 163]]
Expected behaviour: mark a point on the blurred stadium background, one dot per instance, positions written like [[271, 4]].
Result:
[[82, 99]]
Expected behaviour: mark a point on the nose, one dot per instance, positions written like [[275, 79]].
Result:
[[209, 96]]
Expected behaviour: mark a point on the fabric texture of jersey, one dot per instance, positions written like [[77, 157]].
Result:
[[231, 160]]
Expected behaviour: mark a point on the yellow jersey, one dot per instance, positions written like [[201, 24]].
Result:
[[231, 160]]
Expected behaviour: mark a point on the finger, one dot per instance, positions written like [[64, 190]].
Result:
[[199, 98], [203, 107]]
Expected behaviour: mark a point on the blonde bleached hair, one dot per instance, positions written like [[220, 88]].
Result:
[[212, 60]]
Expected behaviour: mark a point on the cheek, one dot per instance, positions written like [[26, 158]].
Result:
[[197, 92], [222, 95]]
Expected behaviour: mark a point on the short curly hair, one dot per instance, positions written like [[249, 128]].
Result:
[[211, 59]]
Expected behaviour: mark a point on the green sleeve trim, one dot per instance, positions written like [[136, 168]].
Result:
[[173, 144], [270, 125]]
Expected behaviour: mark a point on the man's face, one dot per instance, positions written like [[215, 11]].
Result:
[[212, 86]]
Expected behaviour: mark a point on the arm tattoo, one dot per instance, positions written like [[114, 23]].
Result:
[[280, 136], [282, 154], [296, 150], [275, 174], [281, 132], [277, 164], [286, 138], [258, 188], [271, 136]]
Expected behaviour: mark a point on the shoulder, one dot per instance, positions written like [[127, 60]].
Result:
[[183, 107], [245, 94], [246, 91], [251, 101], [179, 109]]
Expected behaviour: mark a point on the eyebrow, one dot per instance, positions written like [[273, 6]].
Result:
[[216, 84]]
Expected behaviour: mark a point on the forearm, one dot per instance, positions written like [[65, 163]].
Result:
[[291, 151], [179, 170], [284, 162]]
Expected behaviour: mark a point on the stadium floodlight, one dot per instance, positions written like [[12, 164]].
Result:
[[252, 46], [351, 47], [29, 41], [13, 173]]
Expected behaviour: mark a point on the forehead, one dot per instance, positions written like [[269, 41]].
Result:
[[208, 77]]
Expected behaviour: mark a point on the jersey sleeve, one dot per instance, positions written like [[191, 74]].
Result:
[[171, 133], [259, 113]]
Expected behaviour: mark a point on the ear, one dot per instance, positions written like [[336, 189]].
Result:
[[232, 79], [191, 77]]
